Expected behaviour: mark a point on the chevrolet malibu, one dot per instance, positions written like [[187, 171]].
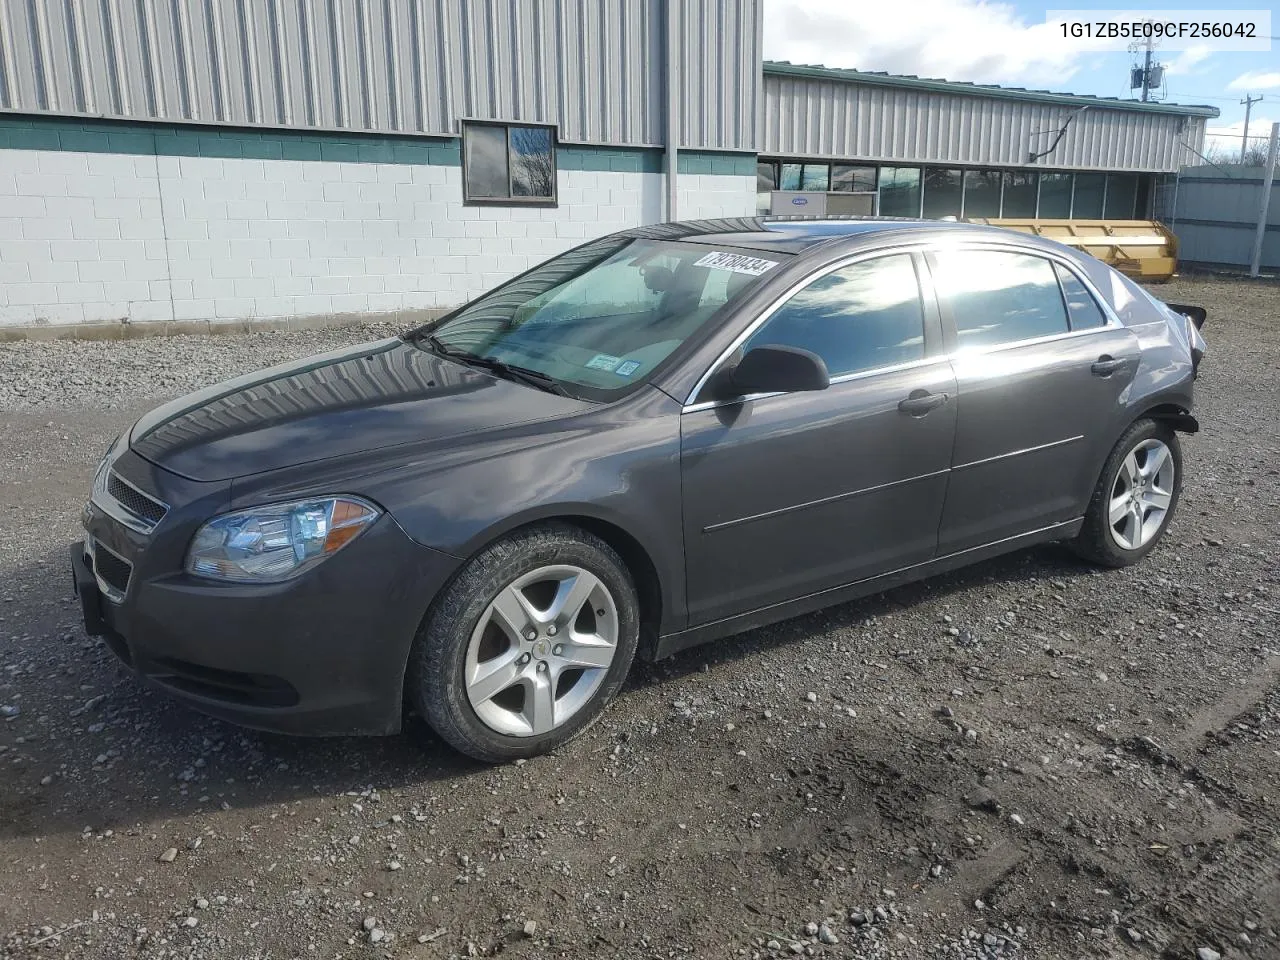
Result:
[[659, 438]]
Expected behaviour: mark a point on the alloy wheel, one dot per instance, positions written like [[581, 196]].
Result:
[[1141, 495], [540, 650]]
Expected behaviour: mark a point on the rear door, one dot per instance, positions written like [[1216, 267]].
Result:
[[1040, 369], [788, 494]]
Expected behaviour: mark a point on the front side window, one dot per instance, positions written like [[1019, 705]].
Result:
[[512, 164], [861, 317], [600, 319], [997, 297]]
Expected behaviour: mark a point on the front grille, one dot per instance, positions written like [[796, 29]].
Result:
[[146, 508], [114, 571]]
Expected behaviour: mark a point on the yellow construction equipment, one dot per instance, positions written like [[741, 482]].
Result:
[[1142, 249]]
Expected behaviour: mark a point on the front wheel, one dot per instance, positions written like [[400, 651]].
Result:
[[1135, 498], [525, 647]]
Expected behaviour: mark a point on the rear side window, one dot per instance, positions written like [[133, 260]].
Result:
[[1082, 309], [857, 318], [997, 297]]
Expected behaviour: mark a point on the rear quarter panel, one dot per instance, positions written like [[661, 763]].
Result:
[[1165, 374]]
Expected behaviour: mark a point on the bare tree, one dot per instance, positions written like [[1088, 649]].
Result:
[[531, 156], [1228, 155]]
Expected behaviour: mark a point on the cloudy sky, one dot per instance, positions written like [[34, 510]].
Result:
[[1010, 43]]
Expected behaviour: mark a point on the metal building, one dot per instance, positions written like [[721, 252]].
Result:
[[205, 161], [847, 141]]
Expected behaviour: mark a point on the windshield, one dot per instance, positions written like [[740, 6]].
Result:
[[601, 318]]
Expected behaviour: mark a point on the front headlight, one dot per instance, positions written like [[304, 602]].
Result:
[[275, 542]]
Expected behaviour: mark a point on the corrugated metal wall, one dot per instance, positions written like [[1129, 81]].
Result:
[[821, 118], [414, 66], [1216, 220]]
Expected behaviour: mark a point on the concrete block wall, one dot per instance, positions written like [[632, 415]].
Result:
[[110, 223]]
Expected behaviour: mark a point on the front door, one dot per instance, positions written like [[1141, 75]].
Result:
[[1040, 371], [788, 494]]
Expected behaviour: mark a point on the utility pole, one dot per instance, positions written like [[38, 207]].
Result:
[[1248, 102], [1146, 71], [1267, 177]]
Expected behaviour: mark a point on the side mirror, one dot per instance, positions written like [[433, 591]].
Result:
[[777, 369]]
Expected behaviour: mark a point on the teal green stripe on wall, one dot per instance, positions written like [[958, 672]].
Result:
[[19, 132], [709, 161], [166, 140], [616, 159], [652, 160]]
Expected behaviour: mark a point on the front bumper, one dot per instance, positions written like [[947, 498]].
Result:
[[322, 654]]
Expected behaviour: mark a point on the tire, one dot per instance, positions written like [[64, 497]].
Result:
[[1115, 544], [469, 645]]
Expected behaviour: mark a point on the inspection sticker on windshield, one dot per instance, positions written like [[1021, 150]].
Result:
[[602, 361], [627, 368], [736, 263]]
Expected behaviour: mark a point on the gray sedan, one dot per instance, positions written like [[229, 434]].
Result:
[[659, 438]]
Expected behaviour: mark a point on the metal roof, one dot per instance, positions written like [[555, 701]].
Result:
[[875, 78]]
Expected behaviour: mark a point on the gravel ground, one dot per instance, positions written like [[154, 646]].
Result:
[[1028, 758]]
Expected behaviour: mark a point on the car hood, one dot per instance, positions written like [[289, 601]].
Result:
[[361, 398]]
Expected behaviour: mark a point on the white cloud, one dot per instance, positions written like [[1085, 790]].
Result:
[[1259, 128], [1226, 137], [1185, 62], [1255, 80], [970, 40]]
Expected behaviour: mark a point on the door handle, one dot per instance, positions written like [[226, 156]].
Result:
[[920, 402], [1106, 365]]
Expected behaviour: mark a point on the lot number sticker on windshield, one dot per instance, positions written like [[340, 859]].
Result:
[[736, 263]]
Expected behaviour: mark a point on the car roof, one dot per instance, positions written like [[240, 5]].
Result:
[[798, 234]]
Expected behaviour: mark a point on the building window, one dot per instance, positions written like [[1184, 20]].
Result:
[[508, 164], [854, 179], [766, 183], [1088, 198], [982, 193], [941, 193], [1055, 196], [1122, 192], [900, 191], [805, 176], [1019, 194]]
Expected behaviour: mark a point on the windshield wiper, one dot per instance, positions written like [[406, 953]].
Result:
[[511, 371], [525, 375]]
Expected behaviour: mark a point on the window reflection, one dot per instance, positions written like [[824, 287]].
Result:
[[982, 193], [1082, 309], [998, 297], [900, 191], [942, 193], [1122, 191], [852, 178], [1019, 194], [1055, 196], [1088, 196], [861, 317]]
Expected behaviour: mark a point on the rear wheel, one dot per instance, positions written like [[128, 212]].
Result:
[[1135, 498], [526, 646]]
